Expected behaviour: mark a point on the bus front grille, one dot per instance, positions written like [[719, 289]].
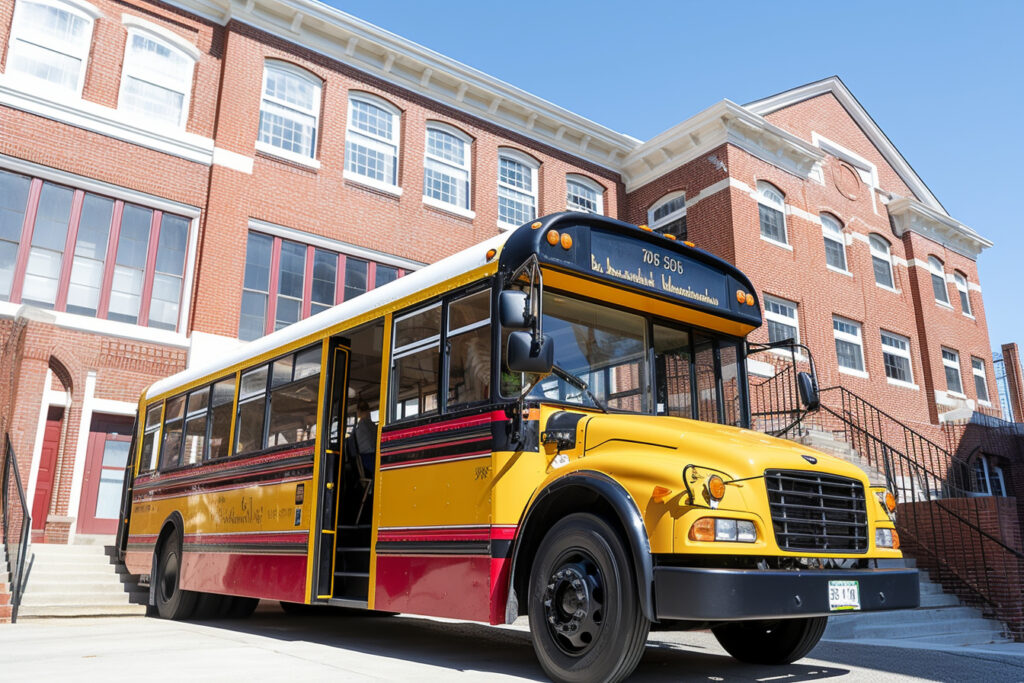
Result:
[[817, 512]]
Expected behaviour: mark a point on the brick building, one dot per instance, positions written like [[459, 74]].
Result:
[[175, 177]]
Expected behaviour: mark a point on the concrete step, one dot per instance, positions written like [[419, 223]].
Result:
[[83, 599], [912, 629], [56, 549], [983, 637], [81, 588], [66, 610], [939, 599]]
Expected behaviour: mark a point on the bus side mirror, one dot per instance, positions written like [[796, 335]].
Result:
[[512, 310], [527, 355], [808, 387]]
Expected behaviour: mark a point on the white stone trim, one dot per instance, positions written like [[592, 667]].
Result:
[[800, 213], [233, 160], [449, 208], [345, 248], [109, 328], [783, 245], [910, 214], [387, 188], [839, 270], [132, 21], [105, 121], [854, 373], [759, 368], [900, 383]]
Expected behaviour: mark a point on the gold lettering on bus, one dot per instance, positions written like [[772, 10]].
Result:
[[669, 286]]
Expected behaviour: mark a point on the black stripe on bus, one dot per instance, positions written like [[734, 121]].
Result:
[[229, 474], [247, 548], [433, 548]]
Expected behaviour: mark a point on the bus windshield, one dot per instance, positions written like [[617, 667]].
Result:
[[696, 374]]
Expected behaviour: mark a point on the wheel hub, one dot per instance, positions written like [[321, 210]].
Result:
[[573, 606]]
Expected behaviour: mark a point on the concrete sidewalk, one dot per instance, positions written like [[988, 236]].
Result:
[[275, 646]]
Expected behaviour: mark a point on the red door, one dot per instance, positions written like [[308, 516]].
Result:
[[105, 461], [47, 465]]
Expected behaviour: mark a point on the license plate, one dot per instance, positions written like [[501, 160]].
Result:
[[843, 595]]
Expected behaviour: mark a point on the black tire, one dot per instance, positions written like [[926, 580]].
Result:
[[172, 602], [241, 608], [771, 641], [299, 609], [209, 606], [585, 617]]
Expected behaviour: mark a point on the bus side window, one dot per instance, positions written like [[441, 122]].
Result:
[[170, 450], [294, 390], [673, 362], [221, 407], [195, 425], [469, 349], [147, 461], [707, 383], [732, 388], [252, 406], [415, 368]]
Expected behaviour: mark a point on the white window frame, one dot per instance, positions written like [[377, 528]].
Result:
[[886, 255], [173, 43], [781, 319], [902, 353], [960, 281], [857, 340], [986, 477], [313, 110], [534, 167], [937, 270], [977, 372], [394, 141], [657, 224], [953, 363], [466, 166], [837, 236], [589, 184], [765, 190], [21, 32]]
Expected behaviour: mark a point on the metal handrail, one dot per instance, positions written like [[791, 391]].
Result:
[[15, 512], [775, 402]]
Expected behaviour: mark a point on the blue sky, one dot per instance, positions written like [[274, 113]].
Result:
[[944, 80]]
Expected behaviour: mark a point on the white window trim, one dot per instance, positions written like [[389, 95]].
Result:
[[668, 218], [81, 9], [857, 339], [941, 274], [395, 139], [841, 272], [898, 352], [975, 373], [885, 256], [467, 166], [533, 165], [590, 185], [794, 322], [946, 363], [840, 238], [762, 187], [988, 477], [965, 290], [314, 111], [159, 34]]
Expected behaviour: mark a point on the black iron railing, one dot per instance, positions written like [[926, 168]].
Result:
[[17, 523], [775, 406], [942, 520]]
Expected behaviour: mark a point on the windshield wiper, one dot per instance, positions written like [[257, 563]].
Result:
[[579, 384]]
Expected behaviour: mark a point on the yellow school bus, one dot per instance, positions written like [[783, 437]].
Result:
[[552, 423]]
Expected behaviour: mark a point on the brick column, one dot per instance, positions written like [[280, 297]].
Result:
[[1015, 380]]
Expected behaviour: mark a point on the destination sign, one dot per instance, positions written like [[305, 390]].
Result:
[[662, 270]]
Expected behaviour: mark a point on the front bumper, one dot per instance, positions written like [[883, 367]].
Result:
[[696, 594]]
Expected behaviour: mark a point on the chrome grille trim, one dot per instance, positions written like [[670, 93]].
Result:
[[817, 512]]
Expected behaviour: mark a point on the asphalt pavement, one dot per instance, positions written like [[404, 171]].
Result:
[[274, 646]]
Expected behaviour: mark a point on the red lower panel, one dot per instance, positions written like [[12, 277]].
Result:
[[139, 561], [499, 588], [274, 577], [456, 587]]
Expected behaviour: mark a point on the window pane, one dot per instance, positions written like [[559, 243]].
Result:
[[250, 425], [953, 380], [287, 129], [580, 197], [896, 367], [939, 287], [371, 158], [170, 253], [146, 458], [965, 302], [152, 101], [771, 223], [220, 430], [254, 382], [13, 198], [835, 254], [163, 307], [446, 146], [195, 440], [125, 294], [290, 88], [417, 328], [171, 447], [50, 40], [732, 397], [707, 387], [515, 174], [281, 371], [133, 242], [672, 361], [293, 412], [668, 207], [446, 183], [371, 119], [292, 269], [108, 494], [849, 355], [253, 318], [307, 363], [514, 207], [415, 381], [257, 262], [325, 273], [384, 275], [355, 277], [883, 272], [779, 332]]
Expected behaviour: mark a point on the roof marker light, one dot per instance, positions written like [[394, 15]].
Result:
[[536, 225], [552, 237]]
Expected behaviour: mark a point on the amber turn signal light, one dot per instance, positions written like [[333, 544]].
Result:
[[703, 529], [553, 237], [491, 253], [741, 296], [890, 501], [716, 487], [750, 299], [566, 241]]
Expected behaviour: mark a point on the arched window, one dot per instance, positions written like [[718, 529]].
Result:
[[517, 188], [289, 110], [49, 42], [961, 286], [881, 261], [583, 194], [446, 167], [938, 280], [835, 241], [668, 215], [772, 209], [372, 138], [156, 82]]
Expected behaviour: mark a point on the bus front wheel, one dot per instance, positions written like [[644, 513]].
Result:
[[172, 602], [772, 641], [585, 618]]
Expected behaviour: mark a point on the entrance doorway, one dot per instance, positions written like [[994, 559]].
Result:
[[105, 461], [47, 469]]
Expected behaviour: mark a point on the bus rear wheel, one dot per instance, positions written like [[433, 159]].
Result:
[[771, 641], [585, 618], [172, 602]]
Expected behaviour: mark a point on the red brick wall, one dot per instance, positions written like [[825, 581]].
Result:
[[1014, 380]]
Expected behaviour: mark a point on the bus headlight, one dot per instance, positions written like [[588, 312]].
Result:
[[721, 529], [887, 538]]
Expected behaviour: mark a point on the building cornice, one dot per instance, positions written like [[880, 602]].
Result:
[[836, 87], [723, 122], [910, 214], [371, 49]]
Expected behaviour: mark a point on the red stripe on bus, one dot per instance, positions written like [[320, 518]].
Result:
[[437, 427], [456, 587]]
